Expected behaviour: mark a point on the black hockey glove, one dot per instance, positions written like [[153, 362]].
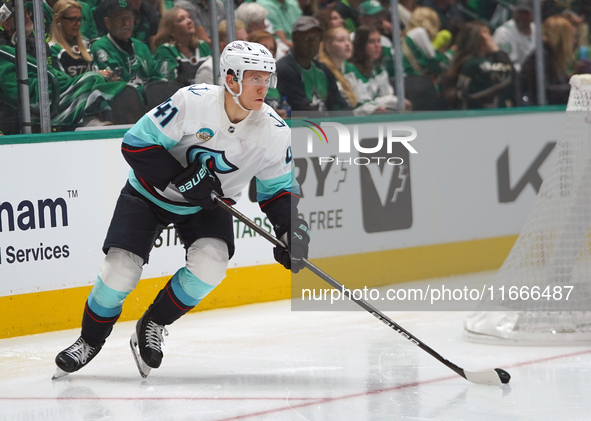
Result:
[[196, 184], [297, 237]]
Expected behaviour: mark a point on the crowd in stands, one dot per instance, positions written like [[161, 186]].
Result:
[[112, 60]]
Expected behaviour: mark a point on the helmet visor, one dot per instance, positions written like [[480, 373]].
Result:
[[269, 81]]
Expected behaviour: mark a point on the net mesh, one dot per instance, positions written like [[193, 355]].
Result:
[[546, 277]]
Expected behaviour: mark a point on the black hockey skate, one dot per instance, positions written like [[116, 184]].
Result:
[[146, 343], [74, 357]]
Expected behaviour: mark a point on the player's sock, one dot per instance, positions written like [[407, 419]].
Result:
[[167, 306], [102, 310], [96, 328], [183, 292]]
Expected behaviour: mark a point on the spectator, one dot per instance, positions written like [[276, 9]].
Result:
[[309, 7], [483, 74], [88, 27], [83, 99], [368, 79], [348, 10], [371, 13], [307, 84], [516, 36], [145, 21], [264, 38], [92, 3], [8, 35], [205, 72], [200, 13], [419, 56], [273, 98], [405, 9], [559, 37], [578, 13], [575, 11], [488, 11], [422, 62], [335, 49], [127, 56], [253, 15], [282, 14], [449, 16], [329, 18], [161, 6], [68, 49], [47, 13], [178, 51]]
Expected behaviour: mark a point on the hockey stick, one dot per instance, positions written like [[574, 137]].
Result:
[[496, 377]]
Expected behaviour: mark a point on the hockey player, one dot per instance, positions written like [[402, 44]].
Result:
[[204, 139]]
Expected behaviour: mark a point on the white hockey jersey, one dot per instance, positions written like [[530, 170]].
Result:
[[193, 124]]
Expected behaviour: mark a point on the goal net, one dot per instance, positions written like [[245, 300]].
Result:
[[546, 279]]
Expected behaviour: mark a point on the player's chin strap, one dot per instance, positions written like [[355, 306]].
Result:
[[236, 95]]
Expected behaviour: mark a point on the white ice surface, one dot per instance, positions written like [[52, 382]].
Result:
[[265, 362]]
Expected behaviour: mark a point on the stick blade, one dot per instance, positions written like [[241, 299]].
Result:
[[496, 377]]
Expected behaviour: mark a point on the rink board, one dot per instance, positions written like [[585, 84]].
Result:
[[59, 191]]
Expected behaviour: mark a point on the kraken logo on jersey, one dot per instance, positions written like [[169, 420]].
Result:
[[221, 164]]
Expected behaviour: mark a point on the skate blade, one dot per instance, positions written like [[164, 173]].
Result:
[[142, 367], [59, 373]]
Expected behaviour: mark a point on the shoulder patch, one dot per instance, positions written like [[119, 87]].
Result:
[[280, 122], [195, 89]]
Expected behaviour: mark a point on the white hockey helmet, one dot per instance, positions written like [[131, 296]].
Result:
[[240, 56]]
